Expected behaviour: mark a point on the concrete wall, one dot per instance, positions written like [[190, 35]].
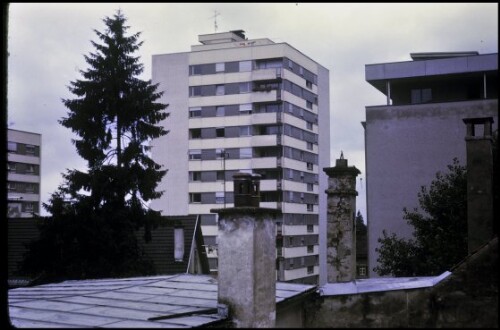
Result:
[[467, 298], [405, 147], [171, 150]]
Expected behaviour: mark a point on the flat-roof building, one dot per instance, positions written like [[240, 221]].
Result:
[[420, 130], [23, 173], [255, 106]]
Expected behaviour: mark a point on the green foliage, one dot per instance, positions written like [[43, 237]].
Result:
[[440, 231], [95, 213]]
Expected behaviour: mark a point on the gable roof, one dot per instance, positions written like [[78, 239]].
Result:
[[180, 301]]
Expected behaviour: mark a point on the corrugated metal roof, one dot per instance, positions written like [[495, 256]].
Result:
[[159, 301], [380, 284]]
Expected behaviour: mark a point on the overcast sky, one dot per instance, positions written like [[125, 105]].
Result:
[[47, 42]]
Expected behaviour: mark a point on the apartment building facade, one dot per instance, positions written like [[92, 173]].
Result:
[[23, 173], [420, 130], [255, 106]]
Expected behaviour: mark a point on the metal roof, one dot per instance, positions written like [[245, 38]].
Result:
[[380, 284], [168, 301]]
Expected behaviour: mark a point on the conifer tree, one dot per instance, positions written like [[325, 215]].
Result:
[[95, 213]]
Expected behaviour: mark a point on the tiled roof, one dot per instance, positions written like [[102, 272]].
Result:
[[167, 301]]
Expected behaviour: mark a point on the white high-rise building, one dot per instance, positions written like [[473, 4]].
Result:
[[23, 173], [253, 106]]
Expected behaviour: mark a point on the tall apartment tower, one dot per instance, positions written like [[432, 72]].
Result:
[[254, 106], [23, 173], [420, 130]]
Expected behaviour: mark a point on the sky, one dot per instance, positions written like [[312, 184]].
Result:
[[47, 43]]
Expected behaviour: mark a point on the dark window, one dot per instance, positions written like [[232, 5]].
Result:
[[195, 133], [195, 91], [219, 132], [194, 198], [421, 95]]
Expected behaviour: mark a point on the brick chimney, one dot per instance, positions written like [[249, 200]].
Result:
[[479, 181], [341, 214], [247, 257]]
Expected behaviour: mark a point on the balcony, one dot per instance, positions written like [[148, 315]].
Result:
[[271, 74]]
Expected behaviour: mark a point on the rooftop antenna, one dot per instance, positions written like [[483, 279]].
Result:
[[215, 19]]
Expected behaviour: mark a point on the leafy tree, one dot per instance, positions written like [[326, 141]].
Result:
[[95, 213], [440, 233]]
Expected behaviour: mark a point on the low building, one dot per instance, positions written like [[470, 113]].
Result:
[[176, 246]]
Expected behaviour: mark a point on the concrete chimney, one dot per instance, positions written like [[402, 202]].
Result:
[[479, 181], [247, 257], [341, 214]]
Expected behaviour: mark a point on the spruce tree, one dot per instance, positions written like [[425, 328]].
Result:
[[95, 213]]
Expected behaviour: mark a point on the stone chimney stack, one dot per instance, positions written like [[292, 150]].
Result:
[[479, 182], [341, 214], [247, 257]]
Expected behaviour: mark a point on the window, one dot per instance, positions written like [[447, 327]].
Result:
[[194, 198], [194, 70], [310, 228], [290, 241], [219, 111], [244, 87], [310, 166], [30, 188], [220, 90], [194, 154], [301, 70], [219, 197], [310, 207], [309, 146], [309, 84], [12, 146], [195, 133], [178, 244], [245, 152], [194, 112], [219, 132], [309, 125], [310, 249], [221, 153], [30, 149], [310, 269], [245, 66], [194, 91], [246, 108], [28, 207], [194, 176], [421, 95], [11, 186], [309, 105], [310, 187], [362, 271], [290, 64], [220, 176], [245, 131], [11, 167], [220, 67]]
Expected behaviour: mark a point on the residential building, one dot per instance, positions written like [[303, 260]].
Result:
[[23, 173], [254, 106], [420, 130]]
